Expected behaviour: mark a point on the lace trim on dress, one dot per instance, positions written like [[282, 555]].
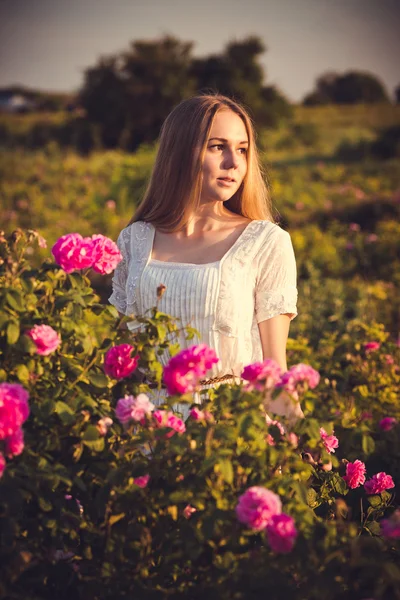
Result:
[[277, 303]]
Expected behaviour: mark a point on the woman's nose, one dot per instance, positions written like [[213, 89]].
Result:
[[232, 161]]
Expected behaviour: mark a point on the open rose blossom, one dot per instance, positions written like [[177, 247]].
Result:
[[262, 375], [387, 423], [131, 408], [14, 408], [379, 483], [142, 481], [46, 339], [164, 418], [330, 441], [281, 533], [355, 474], [15, 444], [256, 507], [390, 528], [106, 254], [72, 251], [299, 375], [185, 369], [119, 363], [371, 346]]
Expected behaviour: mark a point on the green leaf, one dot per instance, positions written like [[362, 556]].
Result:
[[368, 444], [374, 500], [115, 518], [65, 412], [13, 332], [91, 433], [45, 505], [226, 469], [13, 299], [98, 379], [22, 373]]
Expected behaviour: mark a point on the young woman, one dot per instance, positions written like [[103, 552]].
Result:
[[205, 230]]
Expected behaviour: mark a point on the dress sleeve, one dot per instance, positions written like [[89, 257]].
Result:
[[276, 283], [118, 296]]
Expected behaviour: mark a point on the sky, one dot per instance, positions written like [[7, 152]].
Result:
[[47, 44]]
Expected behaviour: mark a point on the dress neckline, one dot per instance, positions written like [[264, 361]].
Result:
[[168, 263], [217, 262]]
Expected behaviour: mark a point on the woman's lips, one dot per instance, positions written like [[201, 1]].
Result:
[[226, 182]]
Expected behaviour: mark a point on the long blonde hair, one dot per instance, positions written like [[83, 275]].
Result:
[[173, 192]]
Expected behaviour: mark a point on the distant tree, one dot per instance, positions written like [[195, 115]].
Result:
[[129, 95], [349, 88], [237, 73], [397, 94]]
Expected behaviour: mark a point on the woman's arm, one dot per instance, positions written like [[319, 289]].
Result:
[[274, 333]]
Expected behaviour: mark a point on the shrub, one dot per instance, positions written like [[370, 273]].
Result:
[[146, 507]]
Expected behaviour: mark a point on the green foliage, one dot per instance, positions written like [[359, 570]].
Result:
[[352, 87], [75, 524]]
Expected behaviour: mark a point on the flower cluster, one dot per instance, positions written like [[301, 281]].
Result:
[[132, 408], [387, 423], [297, 377], [119, 363], [371, 346], [330, 441], [391, 527], [164, 418], [262, 375], [200, 415], [72, 251], [260, 509], [184, 371], [46, 339], [14, 410], [355, 474], [379, 483]]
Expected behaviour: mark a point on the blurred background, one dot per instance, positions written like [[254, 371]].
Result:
[[86, 84]]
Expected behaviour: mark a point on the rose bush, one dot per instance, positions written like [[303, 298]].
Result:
[[114, 497]]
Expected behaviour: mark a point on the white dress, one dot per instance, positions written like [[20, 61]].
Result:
[[225, 300]]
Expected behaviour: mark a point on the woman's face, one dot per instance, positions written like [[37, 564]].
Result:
[[225, 160]]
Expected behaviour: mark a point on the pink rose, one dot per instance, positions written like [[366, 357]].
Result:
[[2, 465], [391, 527], [256, 507], [389, 359], [262, 375], [298, 375], [104, 424], [371, 346], [200, 415], [185, 369], [142, 481], [119, 363], [72, 251], [269, 421], [106, 254], [354, 227], [14, 408], [15, 444], [330, 441], [281, 533], [45, 338], [355, 474], [387, 423], [293, 439], [188, 511], [379, 483], [132, 408], [42, 242], [165, 418]]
